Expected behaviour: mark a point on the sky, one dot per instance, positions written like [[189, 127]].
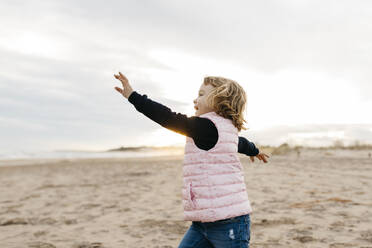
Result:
[[305, 67]]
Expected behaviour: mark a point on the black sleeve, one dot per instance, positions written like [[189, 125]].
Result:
[[202, 130], [246, 147]]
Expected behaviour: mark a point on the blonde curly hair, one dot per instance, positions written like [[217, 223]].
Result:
[[228, 99]]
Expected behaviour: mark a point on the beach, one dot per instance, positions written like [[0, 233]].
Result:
[[315, 198]]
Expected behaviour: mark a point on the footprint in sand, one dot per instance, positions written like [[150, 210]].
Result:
[[14, 221], [366, 235], [38, 244], [39, 221], [85, 244], [89, 206], [30, 196], [304, 239], [12, 209], [124, 210], [343, 214], [342, 245], [136, 235], [138, 174], [282, 221], [40, 233], [70, 221], [47, 221], [301, 235], [337, 226]]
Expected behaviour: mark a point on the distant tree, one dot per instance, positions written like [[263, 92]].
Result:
[[282, 149], [338, 144]]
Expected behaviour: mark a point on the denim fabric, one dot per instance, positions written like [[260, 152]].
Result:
[[227, 233]]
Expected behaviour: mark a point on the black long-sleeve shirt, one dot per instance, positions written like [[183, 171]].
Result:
[[201, 130]]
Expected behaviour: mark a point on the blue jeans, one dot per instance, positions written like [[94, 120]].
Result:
[[228, 233]]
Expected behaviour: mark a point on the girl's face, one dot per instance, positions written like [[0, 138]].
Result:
[[200, 102]]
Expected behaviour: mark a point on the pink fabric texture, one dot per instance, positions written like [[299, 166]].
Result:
[[213, 180]]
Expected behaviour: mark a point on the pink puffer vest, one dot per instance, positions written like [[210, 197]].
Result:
[[213, 180]]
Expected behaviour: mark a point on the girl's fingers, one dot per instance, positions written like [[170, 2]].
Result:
[[261, 157], [122, 76], [119, 78], [119, 90]]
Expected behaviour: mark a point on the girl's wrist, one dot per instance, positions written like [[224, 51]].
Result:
[[130, 93]]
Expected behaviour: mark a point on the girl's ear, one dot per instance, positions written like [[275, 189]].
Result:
[[209, 100]]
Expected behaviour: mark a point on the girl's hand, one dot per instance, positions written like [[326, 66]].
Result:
[[260, 156], [127, 88]]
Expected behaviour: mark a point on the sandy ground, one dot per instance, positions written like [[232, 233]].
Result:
[[321, 199]]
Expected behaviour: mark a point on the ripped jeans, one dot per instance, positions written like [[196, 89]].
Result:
[[227, 233]]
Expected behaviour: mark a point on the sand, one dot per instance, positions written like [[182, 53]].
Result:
[[321, 199]]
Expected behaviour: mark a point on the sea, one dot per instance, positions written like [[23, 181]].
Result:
[[9, 157]]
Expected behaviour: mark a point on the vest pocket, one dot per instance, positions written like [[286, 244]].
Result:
[[190, 194]]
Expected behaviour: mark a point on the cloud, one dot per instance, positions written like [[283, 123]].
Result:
[[267, 36], [57, 59]]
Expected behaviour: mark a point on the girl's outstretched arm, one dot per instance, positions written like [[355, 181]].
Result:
[[246, 147], [202, 130]]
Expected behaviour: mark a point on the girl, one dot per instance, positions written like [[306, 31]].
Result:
[[214, 192]]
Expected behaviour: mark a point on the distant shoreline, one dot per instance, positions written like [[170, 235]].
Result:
[[137, 148], [151, 151]]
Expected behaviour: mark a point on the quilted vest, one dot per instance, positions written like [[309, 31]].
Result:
[[213, 180]]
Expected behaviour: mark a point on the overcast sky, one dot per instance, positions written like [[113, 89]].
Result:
[[305, 66]]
